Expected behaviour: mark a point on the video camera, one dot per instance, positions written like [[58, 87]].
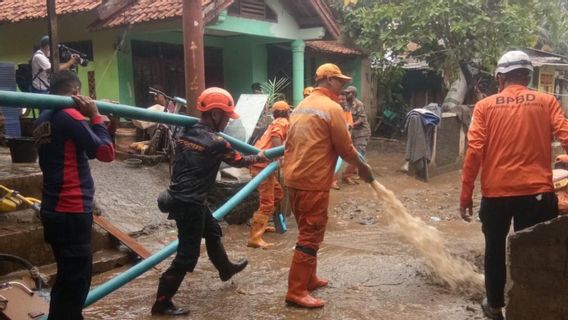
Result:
[[66, 54]]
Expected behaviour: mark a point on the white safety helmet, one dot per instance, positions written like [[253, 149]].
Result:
[[513, 60]]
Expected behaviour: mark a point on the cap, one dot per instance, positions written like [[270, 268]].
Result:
[[280, 106], [513, 60], [330, 70]]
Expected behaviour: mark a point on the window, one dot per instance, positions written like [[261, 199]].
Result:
[[254, 9]]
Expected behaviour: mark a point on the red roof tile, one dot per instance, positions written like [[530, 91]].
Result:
[[332, 47], [18, 10], [155, 10]]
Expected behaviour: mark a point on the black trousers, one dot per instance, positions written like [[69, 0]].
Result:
[[69, 235], [496, 215], [193, 222]]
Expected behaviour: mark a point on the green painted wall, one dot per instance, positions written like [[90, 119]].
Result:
[[245, 62], [349, 66], [19, 38]]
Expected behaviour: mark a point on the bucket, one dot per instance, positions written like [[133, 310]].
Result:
[[22, 149], [124, 137]]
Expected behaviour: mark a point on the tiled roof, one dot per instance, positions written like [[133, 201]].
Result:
[[332, 47], [18, 10], [155, 10]]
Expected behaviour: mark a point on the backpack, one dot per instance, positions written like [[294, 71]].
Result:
[[24, 76]]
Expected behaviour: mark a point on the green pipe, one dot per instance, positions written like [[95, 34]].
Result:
[[146, 264], [53, 102], [298, 47]]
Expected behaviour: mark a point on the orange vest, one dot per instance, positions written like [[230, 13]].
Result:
[[510, 140], [318, 135]]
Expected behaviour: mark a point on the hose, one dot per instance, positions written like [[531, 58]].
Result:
[[34, 271]]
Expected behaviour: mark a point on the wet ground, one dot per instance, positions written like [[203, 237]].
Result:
[[373, 274]]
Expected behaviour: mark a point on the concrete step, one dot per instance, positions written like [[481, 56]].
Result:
[[103, 260]]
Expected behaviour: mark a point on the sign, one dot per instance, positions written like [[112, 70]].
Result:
[[249, 107]]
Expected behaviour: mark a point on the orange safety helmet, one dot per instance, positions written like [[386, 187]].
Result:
[[217, 98], [280, 106]]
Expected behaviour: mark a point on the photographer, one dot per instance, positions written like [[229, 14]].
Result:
[[41, 66]]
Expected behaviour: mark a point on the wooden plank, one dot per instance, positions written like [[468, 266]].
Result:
[[122, 237]]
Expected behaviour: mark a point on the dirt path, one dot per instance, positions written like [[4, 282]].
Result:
[[373, 274]]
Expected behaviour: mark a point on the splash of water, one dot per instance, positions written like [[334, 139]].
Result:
[[457, 273]]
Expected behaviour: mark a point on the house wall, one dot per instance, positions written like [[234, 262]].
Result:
[[18, 39]]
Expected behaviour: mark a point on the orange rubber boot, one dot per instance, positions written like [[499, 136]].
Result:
[[315, 281], [301, 271], [257, 228]]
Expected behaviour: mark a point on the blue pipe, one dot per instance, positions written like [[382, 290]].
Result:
[[146, 264], [54, 102]]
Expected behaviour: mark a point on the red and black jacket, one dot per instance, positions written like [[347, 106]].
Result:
[[66, 141], [199, 153]]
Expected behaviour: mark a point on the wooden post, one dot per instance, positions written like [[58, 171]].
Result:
[[193, 53], [53, 35]]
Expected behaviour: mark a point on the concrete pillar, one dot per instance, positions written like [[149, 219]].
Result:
[[298, 47]]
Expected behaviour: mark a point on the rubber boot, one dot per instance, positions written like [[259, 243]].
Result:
[[169, 285], [257, 228], [315, 281], [301, 271], [220, 260]]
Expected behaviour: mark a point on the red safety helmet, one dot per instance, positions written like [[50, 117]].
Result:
[[217, 98]]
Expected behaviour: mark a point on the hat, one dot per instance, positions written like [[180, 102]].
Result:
[[513, 60], [329, 70], [280, 106]]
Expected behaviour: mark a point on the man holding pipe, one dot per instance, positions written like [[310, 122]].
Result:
[[66, 141], [318, 135], [199, 153]]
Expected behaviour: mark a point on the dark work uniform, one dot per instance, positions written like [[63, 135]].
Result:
[[66, 141], [199, 153]]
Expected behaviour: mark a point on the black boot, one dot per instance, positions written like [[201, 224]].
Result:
[[168, 308], [169, 284], [220, 260]]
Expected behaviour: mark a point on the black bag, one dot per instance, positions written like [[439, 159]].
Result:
[[165, 202], [24, 77]]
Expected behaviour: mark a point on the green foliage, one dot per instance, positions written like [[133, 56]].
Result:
[[448, 32], [274, 89], [553, 27]]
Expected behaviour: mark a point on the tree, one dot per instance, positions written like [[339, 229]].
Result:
[[448, 33]]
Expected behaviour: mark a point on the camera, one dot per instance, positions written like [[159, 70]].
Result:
[[66, 54]]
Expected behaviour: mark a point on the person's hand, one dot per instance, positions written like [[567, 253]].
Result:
[[86, 106], [466, 213], [76, 58], [366, 173], [262, 157]]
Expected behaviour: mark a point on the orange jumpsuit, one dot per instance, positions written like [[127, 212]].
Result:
[[318, 135], [270, 191]]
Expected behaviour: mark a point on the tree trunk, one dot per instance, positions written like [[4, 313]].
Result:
[[456, 94]]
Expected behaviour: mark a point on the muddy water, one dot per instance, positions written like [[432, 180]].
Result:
[[453, 271], [373, 274]]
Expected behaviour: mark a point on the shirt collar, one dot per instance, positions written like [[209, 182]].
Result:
[[327, 93]]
